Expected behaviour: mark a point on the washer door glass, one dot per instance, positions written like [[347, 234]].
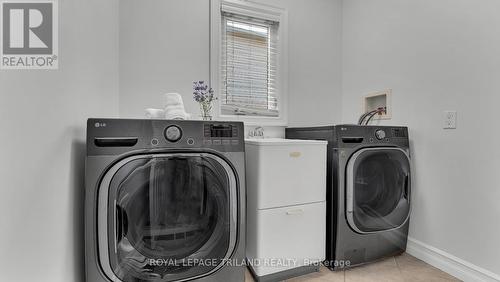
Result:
[[170, 217], [378, 189]]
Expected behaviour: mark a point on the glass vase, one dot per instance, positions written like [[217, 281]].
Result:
[[206, 111]]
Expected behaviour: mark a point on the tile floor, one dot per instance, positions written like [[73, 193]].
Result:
[[403, 268]]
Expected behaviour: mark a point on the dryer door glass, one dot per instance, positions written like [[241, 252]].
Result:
[[378, 189], [170, 217]]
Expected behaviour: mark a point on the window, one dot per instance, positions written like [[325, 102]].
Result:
[[248, 61], [248, 68]]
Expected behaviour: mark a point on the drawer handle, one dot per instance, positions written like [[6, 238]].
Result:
[[295, 212]]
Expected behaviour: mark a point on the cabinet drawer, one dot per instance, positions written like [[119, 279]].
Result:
[[294, 235], [280, 176]]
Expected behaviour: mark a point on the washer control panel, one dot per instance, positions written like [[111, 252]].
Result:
[[221, 134], [380, 134], [117, 136], [173, 133], [220, 131]]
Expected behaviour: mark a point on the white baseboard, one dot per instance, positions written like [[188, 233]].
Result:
[[457, 267]]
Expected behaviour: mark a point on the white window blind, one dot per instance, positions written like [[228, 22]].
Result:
[[249, 66]]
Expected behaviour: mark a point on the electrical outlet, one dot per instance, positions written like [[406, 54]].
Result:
[[450, 120]]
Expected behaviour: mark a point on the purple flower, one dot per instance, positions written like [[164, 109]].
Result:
[[201, 92]]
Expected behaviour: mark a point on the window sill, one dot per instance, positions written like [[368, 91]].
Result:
[[254, 121]]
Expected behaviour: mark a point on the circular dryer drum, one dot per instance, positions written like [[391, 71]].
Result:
[[377, 189], [169, 217]]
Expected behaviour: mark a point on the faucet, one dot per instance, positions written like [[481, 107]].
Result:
[[257, 132]]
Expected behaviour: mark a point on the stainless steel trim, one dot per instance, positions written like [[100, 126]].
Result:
[[350, 188], [116, 138], [102, 210]]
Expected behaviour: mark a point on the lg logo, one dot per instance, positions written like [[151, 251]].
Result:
[[29, 35]]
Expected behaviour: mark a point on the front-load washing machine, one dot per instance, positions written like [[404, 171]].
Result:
[[165, 201], [368, 191]]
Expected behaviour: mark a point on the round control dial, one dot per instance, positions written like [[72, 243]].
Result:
[[380, 134], [173, 133]]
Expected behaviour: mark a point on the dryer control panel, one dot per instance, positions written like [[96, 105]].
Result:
[[353, 135]]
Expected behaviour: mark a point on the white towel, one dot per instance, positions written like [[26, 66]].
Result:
[[154, 113], [174, 106]]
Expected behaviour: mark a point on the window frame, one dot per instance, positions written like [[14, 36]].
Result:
[[256, 10]]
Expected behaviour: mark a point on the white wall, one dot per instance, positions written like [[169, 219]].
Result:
[[436, 55], [164, 47], [42, 120], [314, 88]]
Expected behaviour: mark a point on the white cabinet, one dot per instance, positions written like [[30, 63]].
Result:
[[285, 172], [292, 234], [286, 215]]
